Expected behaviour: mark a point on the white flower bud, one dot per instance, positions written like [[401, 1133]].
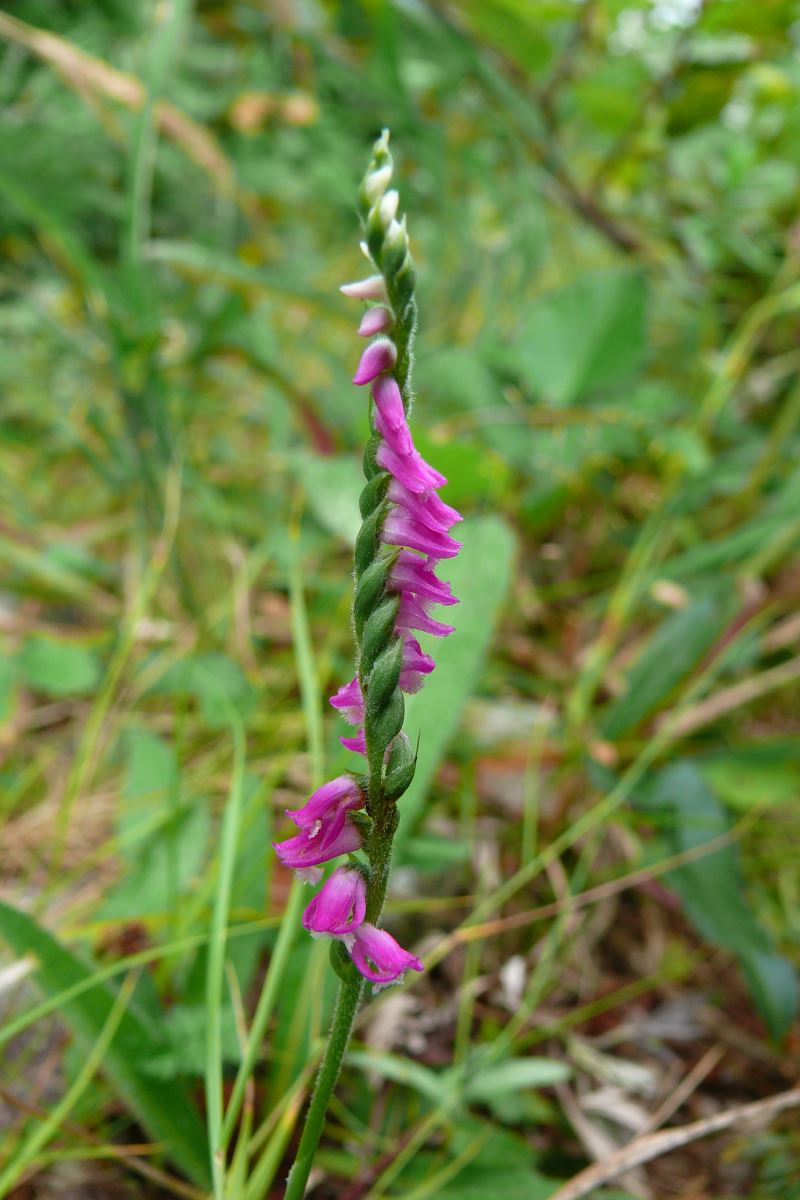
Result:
[[396, 234], [376, 183], [387, 210]]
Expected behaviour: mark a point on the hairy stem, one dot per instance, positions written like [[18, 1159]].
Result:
[[344, 1014]]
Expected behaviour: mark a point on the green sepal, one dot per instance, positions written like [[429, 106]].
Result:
[[369, 460], [381, 727], [384, 677], [341, 962], [396, 782], [363, 203], [370, 588], [401, 287], [355, 864], [374, 492], [392, 259], [400, 754], [367, 542], [376, 633], [363, 823], [401, 764], [375, 234]]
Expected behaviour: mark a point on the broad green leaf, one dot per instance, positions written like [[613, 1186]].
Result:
[[163, 838], [480, 577], [676, 647], [214, 681], [150, 784], [427, 852], [713, 892], [459, 379], [474, 471], [185, 1031], [503, 1165], [8, 690], [476, 1182], [513, 1075], [432, 1084], [164, 1108], [584, 336], [59, 668], [332, 487], [755, 776]]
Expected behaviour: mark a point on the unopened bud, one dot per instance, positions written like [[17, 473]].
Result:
[[387, 210], [376, 183]]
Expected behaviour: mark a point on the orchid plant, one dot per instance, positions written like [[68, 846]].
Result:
[[405, 533]]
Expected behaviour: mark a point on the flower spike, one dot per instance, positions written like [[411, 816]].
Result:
[[405, 534]]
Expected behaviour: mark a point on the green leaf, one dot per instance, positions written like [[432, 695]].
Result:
[[480, 577], [185, 1028], [473, 470], [674, 649], [332, 487], [586, 335], [215, 681], [401, 1070], [150, 782], [8, 690], [502, 1165], [713, 892], [513, 1075], [59, 668], [755, 776], [164, 1108], [163, 839]]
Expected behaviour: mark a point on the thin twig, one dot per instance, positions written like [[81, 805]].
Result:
[[653, 1145], [601, 891], [680, 1094], [730, 698]]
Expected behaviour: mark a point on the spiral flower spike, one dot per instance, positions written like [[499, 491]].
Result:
[[404, 533]]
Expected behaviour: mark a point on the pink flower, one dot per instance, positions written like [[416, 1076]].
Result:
[[401, 529], [373, 288], [390, 416], [414, 574], [350, 702], [409, 468], [339, 908], [379, 957], [323, 841], [337, 797], [416, 664], [426, 507], [379, 356], [412, 614], [357, 744], [376, 320]]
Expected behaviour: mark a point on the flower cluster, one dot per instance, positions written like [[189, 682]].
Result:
[[405, 534], [338, 911]]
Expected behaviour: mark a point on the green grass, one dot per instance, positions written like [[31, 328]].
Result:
[[602, 206]]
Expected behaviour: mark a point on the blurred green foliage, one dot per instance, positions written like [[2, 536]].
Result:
[[602, 199]]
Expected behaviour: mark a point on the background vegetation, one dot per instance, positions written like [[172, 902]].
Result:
[[598, 858]]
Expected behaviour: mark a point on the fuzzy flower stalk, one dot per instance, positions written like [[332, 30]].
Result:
[[404, 535]]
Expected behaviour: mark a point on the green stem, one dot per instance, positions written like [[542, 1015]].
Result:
[[344, 1014]]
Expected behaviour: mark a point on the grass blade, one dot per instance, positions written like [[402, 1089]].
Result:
[[164, 1107], [216, 959]]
